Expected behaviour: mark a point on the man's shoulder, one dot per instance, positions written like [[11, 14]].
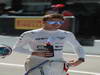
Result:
[[65, 31], [31, 32]]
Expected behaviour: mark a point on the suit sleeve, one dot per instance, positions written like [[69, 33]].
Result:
[[76, 45], [21, 43]]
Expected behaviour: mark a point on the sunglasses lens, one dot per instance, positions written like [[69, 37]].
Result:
[[55, 22], [50, 22], [62, 22]]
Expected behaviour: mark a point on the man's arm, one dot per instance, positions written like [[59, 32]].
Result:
[[21, 43], [78, 49], [76, 62]]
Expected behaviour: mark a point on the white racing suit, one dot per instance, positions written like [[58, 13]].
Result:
[[35, 39], [53, 67]]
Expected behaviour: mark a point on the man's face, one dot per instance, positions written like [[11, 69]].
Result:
[[53, 24]]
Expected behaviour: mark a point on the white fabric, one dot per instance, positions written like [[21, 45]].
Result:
[[49, 68], [36, 38]]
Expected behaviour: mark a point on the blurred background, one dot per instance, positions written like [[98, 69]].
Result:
[[82, 17]]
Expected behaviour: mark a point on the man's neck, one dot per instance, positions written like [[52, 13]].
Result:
[[48, 29]]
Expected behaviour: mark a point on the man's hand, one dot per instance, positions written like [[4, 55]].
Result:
[[43, 53], [77, 62], [48, 54]]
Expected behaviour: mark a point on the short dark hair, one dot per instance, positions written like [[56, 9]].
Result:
[[51, 16]]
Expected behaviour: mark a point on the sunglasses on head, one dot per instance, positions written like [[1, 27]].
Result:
[[55, 22]]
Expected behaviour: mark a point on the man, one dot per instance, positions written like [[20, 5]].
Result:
[[47, 44]]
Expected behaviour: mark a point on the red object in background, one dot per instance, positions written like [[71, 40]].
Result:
[[58, 5], [53, 5], [67, 13]]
